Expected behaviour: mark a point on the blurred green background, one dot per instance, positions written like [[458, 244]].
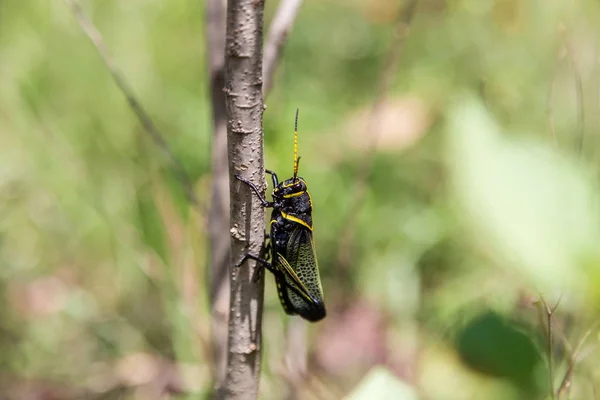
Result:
[[477, 199]]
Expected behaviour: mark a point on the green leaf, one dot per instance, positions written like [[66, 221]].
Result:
[[380, 383], [533, 209], [497, 347]]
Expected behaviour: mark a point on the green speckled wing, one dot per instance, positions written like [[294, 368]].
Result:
[[302, 257], [291, 279]]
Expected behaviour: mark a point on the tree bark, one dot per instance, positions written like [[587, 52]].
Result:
[[244, 110]]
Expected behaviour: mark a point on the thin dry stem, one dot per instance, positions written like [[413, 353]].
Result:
[[157, 137], [570, 54], [278, 32], [566, 382], [549, 313]]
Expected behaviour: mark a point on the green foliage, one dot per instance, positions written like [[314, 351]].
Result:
[[473, 202], [536, 209]]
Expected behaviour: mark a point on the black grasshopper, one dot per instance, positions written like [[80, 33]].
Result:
[[293, 258]]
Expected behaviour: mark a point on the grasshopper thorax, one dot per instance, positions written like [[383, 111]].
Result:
[[293, 202]]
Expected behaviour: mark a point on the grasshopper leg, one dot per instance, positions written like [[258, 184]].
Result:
[[273, 177], [259, 260], [263, 201]]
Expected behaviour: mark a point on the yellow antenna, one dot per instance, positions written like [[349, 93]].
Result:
[[296, 146]]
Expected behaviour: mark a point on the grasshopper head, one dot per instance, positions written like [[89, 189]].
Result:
[[289, 188]]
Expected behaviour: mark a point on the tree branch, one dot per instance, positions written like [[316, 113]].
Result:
[[218, 218], [96, 38], [219, 212], [243, 86], [278, 33]]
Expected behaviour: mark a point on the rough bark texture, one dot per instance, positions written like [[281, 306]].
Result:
[[218, 219], [244, 108]]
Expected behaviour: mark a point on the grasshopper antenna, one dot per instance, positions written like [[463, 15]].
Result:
[[296, 158]]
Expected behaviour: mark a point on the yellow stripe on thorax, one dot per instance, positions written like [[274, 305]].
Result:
[[287, 196], [295, 219], [293, 183]]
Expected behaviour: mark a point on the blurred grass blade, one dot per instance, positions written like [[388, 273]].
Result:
[[151, 224], [533, 209]]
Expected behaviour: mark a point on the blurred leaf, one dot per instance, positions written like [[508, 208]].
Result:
[[533, 208], [493, 346], [380, 383]]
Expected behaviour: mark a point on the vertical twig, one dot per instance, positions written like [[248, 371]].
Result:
[[218, 218], [244, 110], [566, 381], [278, 33], [404, 19], [549, 313]]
